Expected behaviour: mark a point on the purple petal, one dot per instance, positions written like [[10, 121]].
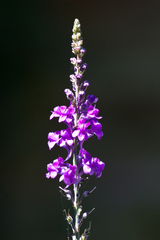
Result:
[[62, 118], [81, 137]]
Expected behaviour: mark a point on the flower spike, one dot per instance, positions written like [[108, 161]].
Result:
[[82, 120]]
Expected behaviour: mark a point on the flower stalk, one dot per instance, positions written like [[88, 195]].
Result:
[[82, 121]]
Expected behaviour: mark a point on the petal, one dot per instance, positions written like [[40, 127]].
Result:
[[53, 136], [98, 174], [62, 118], [48, 175], [99, 134], [86, 169], [70, 142], [61, 178], [51, 144], [52, 116], [63, 109], [75, 133], [81, 137], [53, 174]]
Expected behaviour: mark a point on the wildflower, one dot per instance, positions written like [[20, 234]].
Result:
[[69, 176], [53, 138], [55, 168], [82, 120], [65, 114]]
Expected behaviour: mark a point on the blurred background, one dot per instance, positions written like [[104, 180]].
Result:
[[122, 39]]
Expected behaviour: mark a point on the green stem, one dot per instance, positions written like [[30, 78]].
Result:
[[76, 198], [75, 188]]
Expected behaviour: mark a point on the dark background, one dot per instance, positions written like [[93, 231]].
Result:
[[122, 39]]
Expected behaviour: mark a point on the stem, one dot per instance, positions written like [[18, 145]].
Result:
[[76, 195], [75, 188]]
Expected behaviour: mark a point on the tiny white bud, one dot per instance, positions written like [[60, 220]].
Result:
[[85, 215], [68, 196]]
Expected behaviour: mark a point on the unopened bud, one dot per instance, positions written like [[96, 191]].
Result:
[[86, 193], [80, 43], [74, 37], [69, 94], [83, 67], [79, 60], [91, 99], [82, 52], [78, 76], [72, 78], [66, 193], [85, 215], [81, 96], [84, 85], [73, 60]]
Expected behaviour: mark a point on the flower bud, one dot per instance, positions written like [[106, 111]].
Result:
[[82, 52], [84, 85], [81, 96], [78, 76], [72, 78], [83, 67], [80, 43], [73, 60], [78, 35], [76, 26], [69, 219], [74, 37], [86, 193], [85, 215], [79, 60], [83, 107], [66, 193], [69, 94], [76, 49], [73, 45], [91, 99]]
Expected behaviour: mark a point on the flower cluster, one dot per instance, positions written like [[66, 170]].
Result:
[[82, 121], [81, 118]]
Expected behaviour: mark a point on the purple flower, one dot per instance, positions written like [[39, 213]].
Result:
[[66, 138], [94, 166], [91, 165], [69, 176], [92, 112], [57, 167], [82, 121], [62, 138], [66, 141], [53, 138], [81, 132], [85, 156], [96, 128], [65, 114], [91, 99]]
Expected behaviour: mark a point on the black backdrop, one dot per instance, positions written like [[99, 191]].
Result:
[[122, 39]]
